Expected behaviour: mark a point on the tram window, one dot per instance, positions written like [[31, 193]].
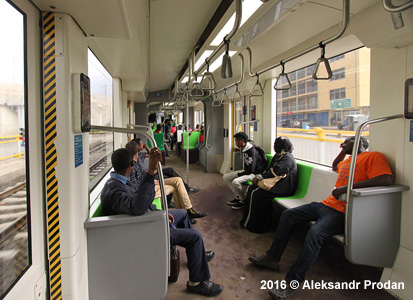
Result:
[[301, 88], [293, 90], [238, 116], [14, 230], [101, 102], [338, 94], [332, 105], [338, 74]]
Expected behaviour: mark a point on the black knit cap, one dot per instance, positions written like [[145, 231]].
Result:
[[283, 143]]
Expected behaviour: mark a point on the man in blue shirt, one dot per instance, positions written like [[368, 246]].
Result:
[[119, 196]]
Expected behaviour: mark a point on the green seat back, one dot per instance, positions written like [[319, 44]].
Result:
[[159, 139], [99, 210], [304, 175], [193, 139]]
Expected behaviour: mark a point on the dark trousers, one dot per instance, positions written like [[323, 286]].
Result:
[[182, 234], [328, 223], [258, 209], [170, 172]]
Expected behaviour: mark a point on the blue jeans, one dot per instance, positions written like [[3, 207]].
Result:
[[328, 223]]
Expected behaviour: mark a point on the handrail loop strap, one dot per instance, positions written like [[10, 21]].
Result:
[[324, 60], [278, 83], [236, 93], [226, 68], [261, 90], [225, 98]]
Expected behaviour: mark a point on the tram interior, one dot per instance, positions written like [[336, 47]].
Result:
[[142, 59]]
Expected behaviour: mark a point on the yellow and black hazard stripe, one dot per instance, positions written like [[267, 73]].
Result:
[[52, 196]]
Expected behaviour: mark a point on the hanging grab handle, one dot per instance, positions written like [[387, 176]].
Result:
[[278, 83], [210, 76], [226, 68], [196, 90], [225, 98], [237, 94], [257, 84], [324, 60], [215, 101]]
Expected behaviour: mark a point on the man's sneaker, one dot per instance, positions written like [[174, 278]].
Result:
[[195, 214], [233, 202], [193, 191], [282, 294], [239, 205]]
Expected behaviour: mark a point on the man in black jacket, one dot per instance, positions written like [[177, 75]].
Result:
[[120, 197], [252, 166]]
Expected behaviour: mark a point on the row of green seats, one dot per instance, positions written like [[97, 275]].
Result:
[[304, 175]]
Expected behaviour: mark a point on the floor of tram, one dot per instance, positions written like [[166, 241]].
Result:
[[233, 245]]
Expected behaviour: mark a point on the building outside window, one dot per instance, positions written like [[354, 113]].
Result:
[[301, 87], [338, 74], [338, 94], [326, 104]]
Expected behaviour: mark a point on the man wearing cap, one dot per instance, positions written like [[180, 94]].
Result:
[[252, 165], [372, 169]]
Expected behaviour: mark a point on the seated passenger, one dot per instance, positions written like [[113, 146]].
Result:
[[252, 165], [120, 197], [372, 169], [167, 172], [173, 185], [258, 209]]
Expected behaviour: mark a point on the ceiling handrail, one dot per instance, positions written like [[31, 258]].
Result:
[[228, 37], [390, 7], [344, 25]]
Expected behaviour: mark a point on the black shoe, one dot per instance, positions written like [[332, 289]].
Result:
[[205, 288], [171, 205], [193, 191], [239, 205], [263, 261], [193, 221], [233, 202], [194, 214], [210, 255]]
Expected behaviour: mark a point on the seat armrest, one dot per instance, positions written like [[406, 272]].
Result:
[[124, 219], [375, 190]]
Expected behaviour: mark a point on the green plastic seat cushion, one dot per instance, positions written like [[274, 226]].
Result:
[[193, 140]]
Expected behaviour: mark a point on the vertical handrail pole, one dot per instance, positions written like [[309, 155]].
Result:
[[353, 163], [187, 139]]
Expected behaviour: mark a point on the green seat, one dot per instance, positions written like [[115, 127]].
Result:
[[160, 141], [193, 139], [99, 210], [304, 175]]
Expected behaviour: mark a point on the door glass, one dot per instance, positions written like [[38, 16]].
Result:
[[15, 255]]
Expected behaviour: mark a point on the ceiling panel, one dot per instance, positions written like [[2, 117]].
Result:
[[175, 27]]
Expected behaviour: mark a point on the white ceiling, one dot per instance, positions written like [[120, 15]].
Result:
[[146, 42]]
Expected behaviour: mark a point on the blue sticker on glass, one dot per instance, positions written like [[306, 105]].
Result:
[[78, 150]]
